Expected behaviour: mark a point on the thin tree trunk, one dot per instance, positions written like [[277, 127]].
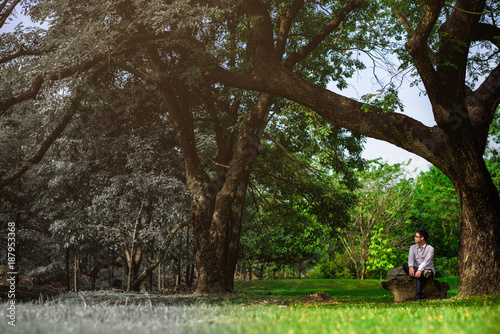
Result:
[[110, 269], [163, 277], [191, 276], [233, 243], [149, 287], [188, 275], [179, 272], [68, 273], [76, 266], [159, 277]]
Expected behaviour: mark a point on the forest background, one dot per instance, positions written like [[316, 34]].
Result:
[[113, 189]]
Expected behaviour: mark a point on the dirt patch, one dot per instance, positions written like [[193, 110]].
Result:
[[315, 298]]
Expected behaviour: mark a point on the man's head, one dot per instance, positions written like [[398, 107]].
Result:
[[421, 235]]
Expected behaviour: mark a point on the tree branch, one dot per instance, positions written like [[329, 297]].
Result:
[[5, 14], [487, 32], [262, 35], [143, 75], [482, 104], [395, 128], [455, 38], [402, 18], [207, 98], [142, 38], [292, 156], [32, 92], [23, 52], [417, 46], [286, 21], [301, 54], [47, 143]]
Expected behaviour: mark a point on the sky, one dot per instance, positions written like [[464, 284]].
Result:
[[416, 105]]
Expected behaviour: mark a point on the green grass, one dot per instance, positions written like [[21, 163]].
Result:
[[347, 290], [364, 308], [353, 291]]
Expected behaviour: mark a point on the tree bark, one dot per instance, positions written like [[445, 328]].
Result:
[[212, 276], [233, 243], [479, 250]]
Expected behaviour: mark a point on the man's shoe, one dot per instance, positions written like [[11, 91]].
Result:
[[417, 300], [427, 273]]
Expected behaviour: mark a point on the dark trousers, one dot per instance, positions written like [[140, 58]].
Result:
[[420, 281]]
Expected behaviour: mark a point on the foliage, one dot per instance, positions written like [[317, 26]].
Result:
[[493, 151], [301, 188], [436, 208], [88, 193], [446, 267], [176, 54], [364, 307], [375, 238], [337, 267]]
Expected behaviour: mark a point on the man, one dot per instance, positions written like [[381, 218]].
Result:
[[420, 265]]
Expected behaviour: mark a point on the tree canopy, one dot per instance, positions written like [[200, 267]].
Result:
[[181, 53]]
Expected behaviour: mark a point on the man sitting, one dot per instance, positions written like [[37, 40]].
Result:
[[420, 265]]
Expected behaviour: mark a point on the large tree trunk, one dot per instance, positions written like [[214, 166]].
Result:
[[233, 243], [212, 276], [212, 202], [479, 251], [216, 248]]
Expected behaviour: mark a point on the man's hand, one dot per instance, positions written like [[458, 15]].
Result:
[[418, 274], [412, 272]]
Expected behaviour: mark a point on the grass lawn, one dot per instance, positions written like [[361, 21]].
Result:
[[364, 307]]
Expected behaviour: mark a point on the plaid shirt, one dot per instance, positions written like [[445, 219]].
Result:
[[421, 257]]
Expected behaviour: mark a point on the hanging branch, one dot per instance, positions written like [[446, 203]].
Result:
[[47, 143], [23, 52], [5, 14], [37, 83]]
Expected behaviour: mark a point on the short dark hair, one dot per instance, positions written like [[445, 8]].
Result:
[[423, 233]]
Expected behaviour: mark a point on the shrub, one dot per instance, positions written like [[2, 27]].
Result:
[[338, 267], [446, 266]]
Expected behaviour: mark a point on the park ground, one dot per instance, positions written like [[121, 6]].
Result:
[[358, 307]]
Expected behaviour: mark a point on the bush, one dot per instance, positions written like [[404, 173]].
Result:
[[446, 266], [339, 267]]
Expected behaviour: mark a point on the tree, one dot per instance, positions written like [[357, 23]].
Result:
[[446, 46], [302, 189], [374, 238], [216, 226], [436, 208], [277, 48], [111, 43]]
